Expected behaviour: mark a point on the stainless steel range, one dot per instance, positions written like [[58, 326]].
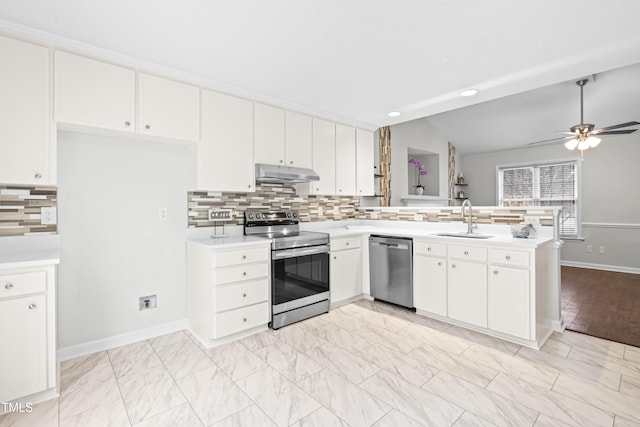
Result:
[[299, 266]]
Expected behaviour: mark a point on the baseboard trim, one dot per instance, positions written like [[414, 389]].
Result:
[[66, 353], [617, 268]]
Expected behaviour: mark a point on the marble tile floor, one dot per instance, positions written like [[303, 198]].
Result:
[[363, 364]]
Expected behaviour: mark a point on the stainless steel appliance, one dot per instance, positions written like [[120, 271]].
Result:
[[299, 266], [391, 269]]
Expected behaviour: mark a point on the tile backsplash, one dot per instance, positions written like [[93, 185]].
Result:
[[20, 209], [271, 197], [491, 215]]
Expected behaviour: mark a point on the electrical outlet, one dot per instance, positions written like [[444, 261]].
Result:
[[589, 249], [147, 303], [48, 215], [163, 214], [603, 250]]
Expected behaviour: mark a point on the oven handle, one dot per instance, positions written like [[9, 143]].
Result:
[[292, 253]]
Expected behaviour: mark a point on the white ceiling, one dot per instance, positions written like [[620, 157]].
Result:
[[355, 60]]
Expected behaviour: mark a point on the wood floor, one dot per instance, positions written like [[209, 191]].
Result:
[[604, 304]]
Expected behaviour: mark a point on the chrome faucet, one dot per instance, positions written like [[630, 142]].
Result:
[[466, 203]]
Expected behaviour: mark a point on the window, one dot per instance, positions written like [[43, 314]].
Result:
[[553, 184]]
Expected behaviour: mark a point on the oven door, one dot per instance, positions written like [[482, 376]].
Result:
[[299, 277]]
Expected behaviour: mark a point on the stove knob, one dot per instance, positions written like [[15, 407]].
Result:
[[288, 214], [295, 214], [258, 216], [250, 216]]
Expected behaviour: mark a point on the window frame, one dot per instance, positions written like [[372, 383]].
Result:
[[536, 165]]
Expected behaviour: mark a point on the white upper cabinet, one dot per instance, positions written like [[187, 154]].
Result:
[[269, 134], [364, 163], [94, 93], [298, 140], [345, 160], [225, 153], [168, 108], [24, 108], [324, 157]]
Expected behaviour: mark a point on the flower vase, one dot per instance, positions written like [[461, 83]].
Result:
[[419, 190]]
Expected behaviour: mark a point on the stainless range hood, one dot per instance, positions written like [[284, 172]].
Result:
[[284, 174]]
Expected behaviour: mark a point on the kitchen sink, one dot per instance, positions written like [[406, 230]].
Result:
[[465, 235]]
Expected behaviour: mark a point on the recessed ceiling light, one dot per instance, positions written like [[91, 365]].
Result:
[[394, 114], [469, 92]]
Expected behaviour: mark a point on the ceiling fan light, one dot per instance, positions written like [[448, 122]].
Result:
[[593, 141], [583, 145], [571, 144]]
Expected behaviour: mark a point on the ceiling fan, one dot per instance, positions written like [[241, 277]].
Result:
[[584, 135]]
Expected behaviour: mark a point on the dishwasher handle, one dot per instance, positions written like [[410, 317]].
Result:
[[400, 246]]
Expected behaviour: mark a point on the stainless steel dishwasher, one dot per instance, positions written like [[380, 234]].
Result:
[[391, 269]]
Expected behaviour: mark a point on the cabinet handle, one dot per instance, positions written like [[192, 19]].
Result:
[[335, 257], [495, 272], [291, 162], [439, 263], [281, 161], [508, 257], [244, 257], [244, 295], [347, 243], [453, 266], [244, 273], [429, 249], [127, 123], [8, 286], [37, 175], [317, 189], [147, 127], [466, 252], [249, 186], [244, 319], [32, 306]]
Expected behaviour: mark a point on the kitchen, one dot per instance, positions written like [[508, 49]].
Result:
[[124, 183]]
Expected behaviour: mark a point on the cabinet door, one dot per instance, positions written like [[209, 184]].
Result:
[[94, 93], [168, 108], [324, 157], [269, 134], [24, 108], [364, 162], [345, 160], [467, 292], [298, 133], [508, 301], [345, 274], [430, 284], [23, 359], [225, 154]]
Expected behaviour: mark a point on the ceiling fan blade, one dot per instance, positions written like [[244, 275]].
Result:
[[616, 132], [550, 140], [621, 125]]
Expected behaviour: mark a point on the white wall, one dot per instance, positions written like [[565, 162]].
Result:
[[417, 134], [610, 176], [114, 247]]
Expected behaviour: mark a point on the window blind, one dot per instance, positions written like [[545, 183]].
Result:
[[543, 185]]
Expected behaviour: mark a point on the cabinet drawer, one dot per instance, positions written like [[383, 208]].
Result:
[[472, 253], [422, 247], [241, 273], [509, 257], [240, 295], [342, 243], [235, 321], [22, 283], [241, 256]]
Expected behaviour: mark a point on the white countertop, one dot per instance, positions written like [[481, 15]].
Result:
[[230, 242], [29, 251]]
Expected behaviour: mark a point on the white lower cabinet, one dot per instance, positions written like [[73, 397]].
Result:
[[481, 285], [345, 268], [28, 357], [467, 292], [509, 300], [227, 290], [430, 284]]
